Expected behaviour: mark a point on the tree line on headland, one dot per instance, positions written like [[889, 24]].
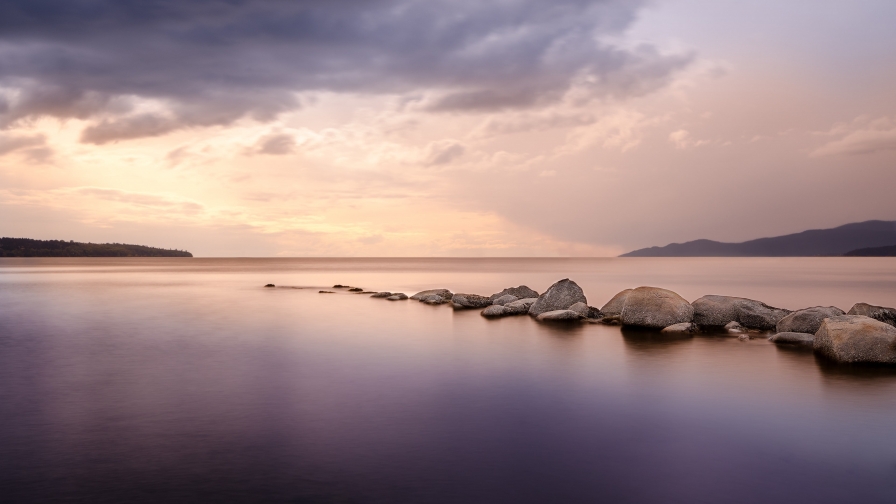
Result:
[[26, 247]]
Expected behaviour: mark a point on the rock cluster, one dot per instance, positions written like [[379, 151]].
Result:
[[718, 311]]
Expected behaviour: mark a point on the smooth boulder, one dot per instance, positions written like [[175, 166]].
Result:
[[882, 313], [521, 292], [793, 338], [559, 296], [717, 311], [464, 301], [445, 294], [613, 308], [433, 299], [558, 316], [503, 300], [656, 308], [494, 311], [856, 339], [807, 320], [520, 307]]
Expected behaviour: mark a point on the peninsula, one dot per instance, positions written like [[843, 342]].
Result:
[[26, 247]]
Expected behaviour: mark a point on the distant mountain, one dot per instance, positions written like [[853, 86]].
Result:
[[26, 247], [873, 252], [816, 242]]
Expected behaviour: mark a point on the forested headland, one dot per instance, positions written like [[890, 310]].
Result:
[[26, 247]]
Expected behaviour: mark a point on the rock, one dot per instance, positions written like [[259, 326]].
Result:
[[717, 311], [682, 328], [793, 338], [339, 286], [610, 320], [734, 328], [656, 308], [383, 294], [856, 339], [586, 311], [807, 320], [356, 289], [494, 311], [744, 337], [325, 292], [613, 308], [434, 299], [443, 293], [367, 292], [503, 300], [520, 307], [270, 285], [521, 292], [399, 296], [558, 316], [463, 301], [882, 313], [559, 296]]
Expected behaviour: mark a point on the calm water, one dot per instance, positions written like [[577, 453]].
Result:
[[183, 380]]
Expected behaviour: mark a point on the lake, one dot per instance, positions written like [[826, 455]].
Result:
[[185, 380]]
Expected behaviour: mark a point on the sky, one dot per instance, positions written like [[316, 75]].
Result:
[[443, 127]]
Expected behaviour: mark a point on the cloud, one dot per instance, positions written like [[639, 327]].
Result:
[[860, 137], [33, 147], [276, 144], [683, 140], [212, 62], [443, 152]]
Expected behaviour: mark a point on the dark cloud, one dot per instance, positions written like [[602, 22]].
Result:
[[33, 146], [215, 61]]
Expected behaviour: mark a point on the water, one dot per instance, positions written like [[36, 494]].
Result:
[[183, 380]]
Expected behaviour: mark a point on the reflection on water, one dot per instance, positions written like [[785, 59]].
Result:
[[185, 380]]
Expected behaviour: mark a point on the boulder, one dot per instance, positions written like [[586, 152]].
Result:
[[734, 328], [613, 308], [520, 307], [559, 296], [807, 320], [503, 300], [793, 338], [656, 308], [521, 292], [383, 294], [717, 311], [882, 313], [856, 339], [443, 293], [399, 296], [586, 311], [558, 316], [463, 301], [340, 286], [494, 311], [682, 328], [434, 299]]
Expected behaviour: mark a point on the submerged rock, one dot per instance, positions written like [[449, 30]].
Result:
[[559, 296], [399, 296], [325, 292], [494, 311], [807, 320], [559, 316], [503, 300], [793, 338], [882, 313], [442, 293], [521, 292], [856, 339], [613, 308], [656, 308], [520, 307], [383, 294], [717, 311], [464, 301], [682, 328]]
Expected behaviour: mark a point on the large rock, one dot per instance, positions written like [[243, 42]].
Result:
[[503, 300], [613, 308], [882, 313], [559, 296], [463, 301], [558, 316], [655, 308], [586, 311], [807, 320], [445, 294], [494, 311], [856, 339], [521, 292], [793, 338], [718, 311], [520, 307]]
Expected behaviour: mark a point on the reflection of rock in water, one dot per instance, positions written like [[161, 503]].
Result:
[[653, 341], [867, 374]]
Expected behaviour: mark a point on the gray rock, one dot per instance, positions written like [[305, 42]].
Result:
[[807, 320], [400, 296], [356, 289], [613, 308], [503, 300], [270, 285], [734, 328], [434, 299], [744, 337], [882, 313], [520, 307], [383, 294], [655, 307], [682, 328], [717, 311], [521, 292], [856, 339], [559, 296], [559, 316], [494, 311], [586, 311], [793, 338], [443, 293], [463, 301], [325, 292], [610, 320]]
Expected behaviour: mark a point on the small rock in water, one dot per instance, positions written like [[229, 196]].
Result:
[[856, 339], [734, 328], [463, 301], [520, 307], [339, 286], [882, 313], [400, 296], [793, 338], [682, 328], [270, 285], [442, 293], [434, 299], [503, 300], [383, 294], [521, 292], [610, 320], [744, 337], [808, 320], [559, 316], [494, 311], [356, 289], [325, 292]]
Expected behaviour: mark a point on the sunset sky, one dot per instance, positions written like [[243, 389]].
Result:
[[443, 127]]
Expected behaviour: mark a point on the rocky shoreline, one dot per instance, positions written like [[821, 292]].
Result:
[[866, 334]]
